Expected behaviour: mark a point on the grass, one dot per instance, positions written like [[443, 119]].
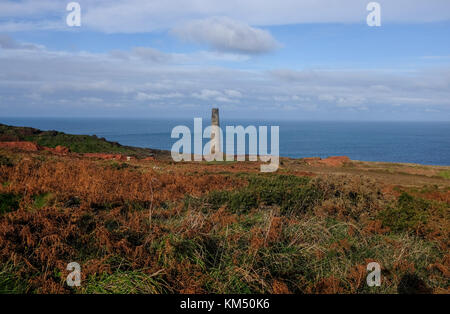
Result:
[[134, 230], [410, 214], [10, 282], [445, 174], [42, 200], [136, 282], [290, 193]]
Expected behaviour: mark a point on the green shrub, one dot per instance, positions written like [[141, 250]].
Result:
[[9, 202], [408, 215], [292, 194], [218, 198], [243, 201]]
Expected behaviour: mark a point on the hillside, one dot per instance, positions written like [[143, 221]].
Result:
[[76, 143], [156, 226]]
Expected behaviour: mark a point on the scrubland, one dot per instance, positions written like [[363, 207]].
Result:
[[164, 227]]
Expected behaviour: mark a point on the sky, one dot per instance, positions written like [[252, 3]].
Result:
[[264, 59]]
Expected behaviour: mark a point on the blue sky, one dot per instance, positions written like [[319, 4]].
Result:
[[305, 60]]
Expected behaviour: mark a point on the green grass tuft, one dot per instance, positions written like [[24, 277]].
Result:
[[292, 194], [125, 283], [10, 282], [445, 174], [408, 215], [42, 200]]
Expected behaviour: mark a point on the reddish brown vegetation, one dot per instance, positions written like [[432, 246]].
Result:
[[151, 217], [33, 147], [118, 157], [27, 146], [333, 161], [376, 227], [57, 150], [279, 287], [80, 178], [48, 238]]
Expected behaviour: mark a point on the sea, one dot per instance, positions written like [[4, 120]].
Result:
[[425, 143]]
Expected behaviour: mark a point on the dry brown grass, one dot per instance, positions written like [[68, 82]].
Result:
[[98, 214]]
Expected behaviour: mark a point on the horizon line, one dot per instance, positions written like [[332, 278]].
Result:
[[222, 119]]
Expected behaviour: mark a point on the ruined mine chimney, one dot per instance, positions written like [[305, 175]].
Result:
[[215, 132]]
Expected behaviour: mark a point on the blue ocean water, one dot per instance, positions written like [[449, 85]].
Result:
[[412, 142]]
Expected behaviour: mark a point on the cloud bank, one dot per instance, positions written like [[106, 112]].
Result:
[[146, 82], [131, 16]]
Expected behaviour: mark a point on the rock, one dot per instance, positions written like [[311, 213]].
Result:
[[33, 147], [28, 146], [61, 150]]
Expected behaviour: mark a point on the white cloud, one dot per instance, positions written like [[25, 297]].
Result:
[[102, 83], [151, 54], [130, 16], [207, 94], [351, 101], [7, 42], [226, 96], [159, 57], [233, 93], [225, 34], [144, 96], [30, 7]]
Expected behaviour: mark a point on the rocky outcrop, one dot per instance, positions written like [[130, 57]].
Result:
[[33, 147], [61, 150], [28, 146]]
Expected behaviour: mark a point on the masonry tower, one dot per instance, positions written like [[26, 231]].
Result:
[[215, 132]]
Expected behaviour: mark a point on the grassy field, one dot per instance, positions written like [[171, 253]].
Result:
[[164, 227]]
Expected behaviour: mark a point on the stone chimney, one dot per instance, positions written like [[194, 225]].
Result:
[[215, 132]]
